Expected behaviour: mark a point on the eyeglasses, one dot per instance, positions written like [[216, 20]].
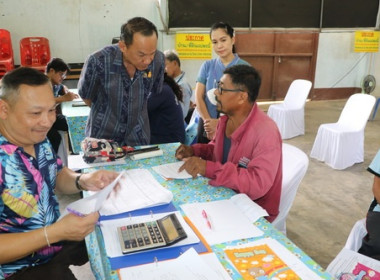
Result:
[[218, 86], [62, 75]]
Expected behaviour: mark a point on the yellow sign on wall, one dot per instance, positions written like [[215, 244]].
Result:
[[193, 46], [366, 41]]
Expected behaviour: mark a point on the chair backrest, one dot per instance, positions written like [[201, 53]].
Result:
[[356, 111], [6, 52], [294, 166], [297, 94], [34, 52], [355, 238]]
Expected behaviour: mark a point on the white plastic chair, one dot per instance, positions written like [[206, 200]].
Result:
[[290, 115], [294, 166], [355, 238], [341, 144]]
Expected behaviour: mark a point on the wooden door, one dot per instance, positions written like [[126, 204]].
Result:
[[280, 57]]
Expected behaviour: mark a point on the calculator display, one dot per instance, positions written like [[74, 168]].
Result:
[[169, 228]]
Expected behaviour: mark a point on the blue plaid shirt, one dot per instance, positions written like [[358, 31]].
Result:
[[27, 198], [119, 103]]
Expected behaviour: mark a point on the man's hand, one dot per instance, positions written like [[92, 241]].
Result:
[[183, 151], [97, 180], [69, 96], [194, 166], [72, 227]]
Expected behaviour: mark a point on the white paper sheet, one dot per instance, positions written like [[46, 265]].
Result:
[[138, 189], [188, 266], [94, 202], [347, 260], [111, 238], [292, 261], [170, 171], [228, 222]]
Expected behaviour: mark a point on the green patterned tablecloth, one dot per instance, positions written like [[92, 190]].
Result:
[[76, 120], [188, 191]]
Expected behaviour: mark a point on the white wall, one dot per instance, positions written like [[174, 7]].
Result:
[[75, 28], [337, 64]]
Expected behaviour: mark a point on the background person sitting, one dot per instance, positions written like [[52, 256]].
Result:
[[57, 70], [246, 153], [165, 114]]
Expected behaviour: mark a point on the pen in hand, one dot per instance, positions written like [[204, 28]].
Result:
[[78, 214], [208, 222]]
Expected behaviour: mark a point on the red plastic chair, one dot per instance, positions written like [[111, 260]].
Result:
[[35, 52], [6, 52]]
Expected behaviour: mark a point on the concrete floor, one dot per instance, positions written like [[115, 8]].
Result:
[[328, 201]]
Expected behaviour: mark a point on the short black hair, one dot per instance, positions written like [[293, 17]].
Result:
[[135, 25], [247, 77], [12, 81], [58, 65]]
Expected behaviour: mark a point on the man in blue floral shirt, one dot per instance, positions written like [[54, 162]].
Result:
[[116, 81], [33, 243]]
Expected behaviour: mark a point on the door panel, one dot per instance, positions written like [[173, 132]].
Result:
[[264, 65], [289, 69], [280, 58]]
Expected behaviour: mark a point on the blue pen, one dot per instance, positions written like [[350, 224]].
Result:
[[76, 213]]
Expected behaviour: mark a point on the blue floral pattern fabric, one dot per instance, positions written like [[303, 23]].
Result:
[[27, 198]]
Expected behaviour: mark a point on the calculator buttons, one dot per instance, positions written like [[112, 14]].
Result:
[[140, 236]]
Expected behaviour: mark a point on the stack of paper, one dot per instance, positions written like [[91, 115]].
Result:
[[111, 238], [188, 266], [225, 220], [137, 189], [133, 189], [349, 264]]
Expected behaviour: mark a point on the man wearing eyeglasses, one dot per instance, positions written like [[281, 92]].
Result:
[[246, 152], [56, 70]]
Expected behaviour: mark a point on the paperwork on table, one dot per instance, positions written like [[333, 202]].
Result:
[[133, 189]]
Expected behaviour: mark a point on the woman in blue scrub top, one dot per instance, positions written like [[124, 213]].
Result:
[[223, 40]]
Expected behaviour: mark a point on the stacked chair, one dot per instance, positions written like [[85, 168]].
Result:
[[6, 52], [35, 52]]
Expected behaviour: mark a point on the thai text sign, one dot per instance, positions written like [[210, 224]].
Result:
[[193, 46], [366, 41]]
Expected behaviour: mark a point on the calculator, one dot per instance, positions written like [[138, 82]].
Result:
[[149, 235]]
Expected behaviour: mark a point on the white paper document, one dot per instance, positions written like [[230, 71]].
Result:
[[276, 262], [225, 220], [188, 266], [111, 238], [349, 264], [170, 171], [133, 189], [138, 189], [94, 202]]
